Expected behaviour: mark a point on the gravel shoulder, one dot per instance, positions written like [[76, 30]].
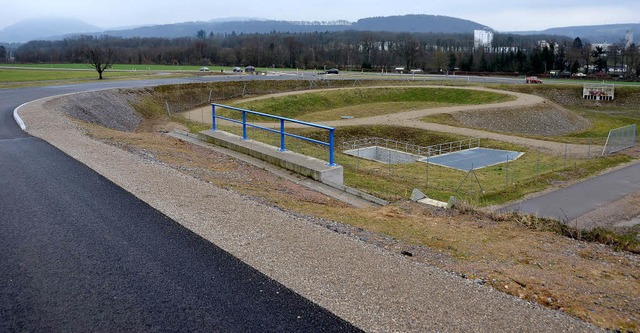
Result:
[[376, 290]]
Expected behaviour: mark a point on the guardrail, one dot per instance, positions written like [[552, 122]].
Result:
[[433, 150], [283, 134]]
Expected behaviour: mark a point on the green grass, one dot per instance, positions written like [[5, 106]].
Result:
[[141, 67], [603, 117], [603, 121], [489, 186], [363, 102], [116, 67], [33, 76], [493, 186]]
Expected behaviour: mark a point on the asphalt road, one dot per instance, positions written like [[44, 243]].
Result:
[[78, 253], [574, 201]]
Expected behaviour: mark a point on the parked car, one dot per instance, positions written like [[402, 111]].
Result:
[[532, 79], [332, 71], [237, 70], [580, 75], [249, 69], [204, 69]]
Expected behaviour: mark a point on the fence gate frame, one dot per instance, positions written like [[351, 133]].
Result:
[[619, 139]]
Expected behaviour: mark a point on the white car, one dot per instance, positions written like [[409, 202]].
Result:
[[204, 69]]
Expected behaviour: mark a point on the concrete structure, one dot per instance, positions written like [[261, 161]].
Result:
[[307, 166], [598, 92], [383, 155], [482, 38]]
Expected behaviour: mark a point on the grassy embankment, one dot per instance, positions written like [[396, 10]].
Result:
[[531, 173], [602, 115]]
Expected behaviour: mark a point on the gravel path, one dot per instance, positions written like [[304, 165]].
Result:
[[374, 289]]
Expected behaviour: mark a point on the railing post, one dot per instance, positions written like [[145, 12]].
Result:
[[282, 148], [244, 125], [213, 117], [331, 144]]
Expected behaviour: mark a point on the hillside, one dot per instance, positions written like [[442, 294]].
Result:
[[417, 23], [406, 23], [56, 28], [44, 28], [611, 33]]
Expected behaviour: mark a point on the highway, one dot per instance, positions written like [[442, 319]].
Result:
[[78, 253]]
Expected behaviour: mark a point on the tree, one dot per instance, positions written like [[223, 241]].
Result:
[[577, 43], [100, 59], [452, 61], [575, 66], [408, 48], [632, 58], [3, 53], [600, 58]]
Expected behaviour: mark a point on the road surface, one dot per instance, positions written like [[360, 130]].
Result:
[[78, 253], [569, 203]]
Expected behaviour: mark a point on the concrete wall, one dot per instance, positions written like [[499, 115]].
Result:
[[307, 166]]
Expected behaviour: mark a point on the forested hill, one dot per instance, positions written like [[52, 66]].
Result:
[[407, 23], [417, 23], [611, 33]]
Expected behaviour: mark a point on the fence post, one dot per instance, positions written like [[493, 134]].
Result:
[[244, 125], [282, 148], [427, 185], [331, 147], [507, 172], [213, 117], [538, 165]]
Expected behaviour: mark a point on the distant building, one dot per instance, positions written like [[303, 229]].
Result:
[[482, 38], [628, 39], [552, 46], [604, 46]]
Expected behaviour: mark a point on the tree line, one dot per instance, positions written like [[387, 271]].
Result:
[[350, 50]]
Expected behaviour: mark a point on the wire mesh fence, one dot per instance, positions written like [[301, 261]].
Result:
[[413, 149], [395, 181], [619, 139]]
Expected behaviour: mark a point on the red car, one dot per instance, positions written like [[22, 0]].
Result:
[[532, 79]]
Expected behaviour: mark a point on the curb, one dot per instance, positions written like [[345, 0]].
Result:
[[17, 118]]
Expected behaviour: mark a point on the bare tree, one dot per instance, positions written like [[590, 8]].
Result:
[[100, 59]]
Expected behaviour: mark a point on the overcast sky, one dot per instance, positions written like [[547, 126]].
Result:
[[501, 15]]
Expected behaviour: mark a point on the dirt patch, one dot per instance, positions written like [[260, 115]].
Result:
[[108, 108], [544, 119]]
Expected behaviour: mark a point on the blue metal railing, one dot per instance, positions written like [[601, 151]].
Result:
[[281, 131]]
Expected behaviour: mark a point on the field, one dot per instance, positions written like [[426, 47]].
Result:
[[590, 275], [17, 75]]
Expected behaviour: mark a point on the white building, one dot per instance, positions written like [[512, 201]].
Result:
[[628, 39], [482, 38]]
